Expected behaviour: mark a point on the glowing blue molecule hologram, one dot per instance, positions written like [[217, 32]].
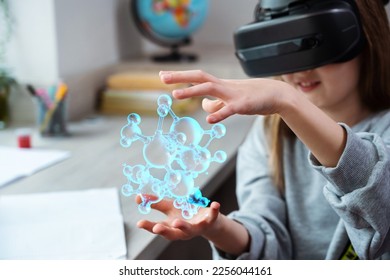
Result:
[[177, 154]]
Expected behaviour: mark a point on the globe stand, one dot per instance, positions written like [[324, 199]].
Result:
[[175, 56]]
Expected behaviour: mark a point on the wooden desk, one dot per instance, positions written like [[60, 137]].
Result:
[[96, 162]]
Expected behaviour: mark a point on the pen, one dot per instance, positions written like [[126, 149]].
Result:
[[61, 92], [31, 89], [42, 105], [45, 97], [52, 92], [40, 94]]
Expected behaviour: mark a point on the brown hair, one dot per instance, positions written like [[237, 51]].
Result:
[[374, 87]]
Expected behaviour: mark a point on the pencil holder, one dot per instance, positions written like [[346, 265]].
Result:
[[52, 111]]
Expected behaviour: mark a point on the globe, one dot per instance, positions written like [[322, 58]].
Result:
[[170, 23]]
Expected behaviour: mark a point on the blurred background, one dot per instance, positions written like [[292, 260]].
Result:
[[78, 42]]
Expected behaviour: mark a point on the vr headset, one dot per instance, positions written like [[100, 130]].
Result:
[[291, 36]]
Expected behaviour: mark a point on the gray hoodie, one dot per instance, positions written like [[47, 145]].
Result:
[[323, 209]]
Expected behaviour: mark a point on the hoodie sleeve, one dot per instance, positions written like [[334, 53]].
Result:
[[358, 189]]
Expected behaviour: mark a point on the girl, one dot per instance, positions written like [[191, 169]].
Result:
[[314, 172]]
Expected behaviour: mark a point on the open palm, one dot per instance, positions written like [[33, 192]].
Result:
[[174, 227]]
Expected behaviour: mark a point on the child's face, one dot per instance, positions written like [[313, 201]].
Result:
[[331, 87]]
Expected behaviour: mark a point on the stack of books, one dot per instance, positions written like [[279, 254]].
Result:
[[137, 92]]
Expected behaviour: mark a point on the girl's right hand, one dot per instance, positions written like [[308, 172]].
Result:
[[175, 227], [226, 234]]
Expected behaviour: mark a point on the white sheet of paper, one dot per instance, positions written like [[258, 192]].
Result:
[[16, 163], [64, 225]]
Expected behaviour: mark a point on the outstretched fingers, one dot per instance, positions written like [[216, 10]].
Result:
[[213, 212], [165, 231], [170, 233], [189, 77], [221, 114], [207, 88], [164, 206], [146, 225], [205, 220], [203, 83], [211, 106]]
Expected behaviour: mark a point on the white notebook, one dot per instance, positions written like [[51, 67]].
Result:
[[66, 225], [16, 163]]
